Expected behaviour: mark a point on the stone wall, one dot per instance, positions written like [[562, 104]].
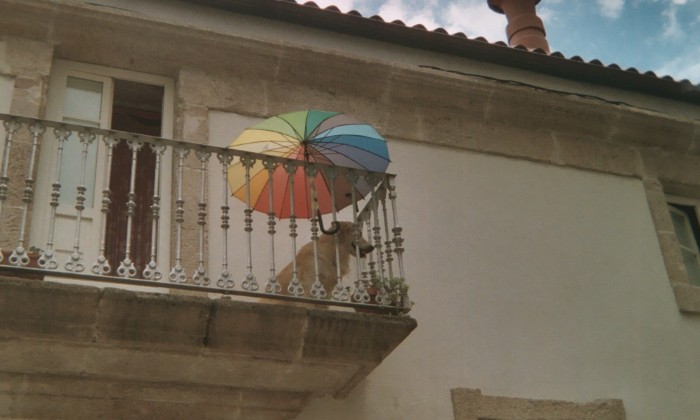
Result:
[[471, 404]]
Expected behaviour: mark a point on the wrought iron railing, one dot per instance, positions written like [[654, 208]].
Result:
[[376, 282]]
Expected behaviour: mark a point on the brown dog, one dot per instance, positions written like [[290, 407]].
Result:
[[327, 263]]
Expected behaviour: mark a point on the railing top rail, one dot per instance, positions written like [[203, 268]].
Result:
[[180, 143]]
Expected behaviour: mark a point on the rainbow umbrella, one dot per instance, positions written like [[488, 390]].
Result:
[[308, 136]]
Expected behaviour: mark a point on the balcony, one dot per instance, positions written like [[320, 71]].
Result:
[[162, 303]]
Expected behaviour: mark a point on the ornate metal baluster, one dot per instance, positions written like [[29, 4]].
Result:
[[225, 279], [272, 285], [177, 274], [387, 242], [152, 272], [382, 298], [249, 283], [75, 260], [101, 265], [360, 294], [294, 288], [396, 230], [200, 276], [317, 289], [47, 259], [19, 255], [339, 291], [11, 126], [127, 267]]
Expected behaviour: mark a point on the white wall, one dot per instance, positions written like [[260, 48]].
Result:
[[529, 281]]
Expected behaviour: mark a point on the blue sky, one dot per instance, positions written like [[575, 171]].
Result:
[[658, 35]]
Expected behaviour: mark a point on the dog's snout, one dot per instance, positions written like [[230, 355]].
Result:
[[364, 248]]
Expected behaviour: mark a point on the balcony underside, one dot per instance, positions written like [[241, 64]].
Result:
[[79, 351]]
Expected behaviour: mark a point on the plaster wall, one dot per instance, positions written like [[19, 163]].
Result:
[[529, 281]]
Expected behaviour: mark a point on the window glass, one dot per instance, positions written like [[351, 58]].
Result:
[[685, 224], [82, 105], [83, 100]]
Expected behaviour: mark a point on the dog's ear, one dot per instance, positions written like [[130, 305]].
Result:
[[348, 229]]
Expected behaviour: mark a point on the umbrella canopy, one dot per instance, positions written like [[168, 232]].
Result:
[[307, 136]]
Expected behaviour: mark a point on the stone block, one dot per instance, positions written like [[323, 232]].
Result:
[[658, 206], [673, 168], [332, 335], [134, 318], [263, 330], [9, 226], [465, 403], [471, 404], [687, 298], [653, 129], [28, 96], [195, 127], [27, 57], [529, 110], [48, 310], [233, 92], [332, 73], [43, 396], [597, 156], [673, 260]]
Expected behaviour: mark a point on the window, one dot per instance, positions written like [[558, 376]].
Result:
[[108, 98], [684, 215]]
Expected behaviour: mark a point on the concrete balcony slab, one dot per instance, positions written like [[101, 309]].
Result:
[[79, 351]]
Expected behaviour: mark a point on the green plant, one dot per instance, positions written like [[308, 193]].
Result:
[[395, 290], [35, 250]]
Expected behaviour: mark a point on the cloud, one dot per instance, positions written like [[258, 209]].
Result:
[[344, 5], [685, 66], [672, 29], [411, 12], [474, 18], [611, 9]]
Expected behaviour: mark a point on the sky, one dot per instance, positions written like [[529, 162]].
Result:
[[658, 35]]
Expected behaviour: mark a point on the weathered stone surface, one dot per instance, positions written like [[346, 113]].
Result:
[[471, 404], [237, 329], [152, 319], [672, 168], [38, 309], [658, 206], [673, 260], [687, 298], [32, 396], [655, 130], [65, 347], [604, 157], [27, 57]]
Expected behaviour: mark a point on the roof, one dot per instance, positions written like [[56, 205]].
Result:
[[458, 44]]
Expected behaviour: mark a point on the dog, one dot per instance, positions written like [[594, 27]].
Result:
[[327, 262]]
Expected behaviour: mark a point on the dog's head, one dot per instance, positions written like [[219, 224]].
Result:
[[346, 235]]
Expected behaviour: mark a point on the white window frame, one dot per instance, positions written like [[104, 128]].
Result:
[[695, 246], [61, 70]]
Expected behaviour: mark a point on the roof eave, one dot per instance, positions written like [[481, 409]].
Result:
[[555, 64]]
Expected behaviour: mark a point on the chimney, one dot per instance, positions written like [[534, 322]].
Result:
[[524, 26]]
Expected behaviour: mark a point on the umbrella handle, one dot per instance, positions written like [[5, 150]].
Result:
[[335, 226]]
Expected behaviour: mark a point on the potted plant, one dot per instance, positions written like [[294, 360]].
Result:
[[34, 253], [393, 294]]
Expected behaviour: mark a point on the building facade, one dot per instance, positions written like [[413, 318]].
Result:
[[548, 269]]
